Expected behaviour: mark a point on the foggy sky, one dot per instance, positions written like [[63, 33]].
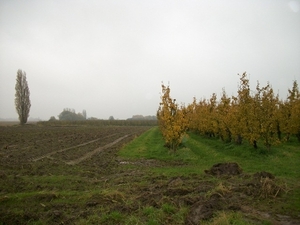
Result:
[[110, 57]]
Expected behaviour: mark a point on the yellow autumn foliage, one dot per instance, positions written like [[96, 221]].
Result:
[[258, 117], [172, 119]]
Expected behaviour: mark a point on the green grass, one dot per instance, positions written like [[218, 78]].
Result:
[[200, 153], [282, 160], [150, 145], [223, 218]]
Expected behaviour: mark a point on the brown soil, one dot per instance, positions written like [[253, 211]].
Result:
[[97, 150]]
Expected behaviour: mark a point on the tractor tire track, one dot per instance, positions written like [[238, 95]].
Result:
[[65, 149], [90, 154]]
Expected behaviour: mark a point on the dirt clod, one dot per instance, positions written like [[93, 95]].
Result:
[[3, 175], [264, 174], [203, 210], [224, 169], [175, 182]]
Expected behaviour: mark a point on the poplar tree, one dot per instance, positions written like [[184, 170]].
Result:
[[22, 100]]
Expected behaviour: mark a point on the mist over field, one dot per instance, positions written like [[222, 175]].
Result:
[[110, 57]]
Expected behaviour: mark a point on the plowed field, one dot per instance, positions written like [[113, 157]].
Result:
[[25, 145], [42, 161]]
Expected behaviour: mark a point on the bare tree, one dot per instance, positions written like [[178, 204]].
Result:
[[22, 100]]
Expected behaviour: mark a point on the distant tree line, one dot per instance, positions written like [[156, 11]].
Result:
[[99, 122], [70, 115], [141, 117]]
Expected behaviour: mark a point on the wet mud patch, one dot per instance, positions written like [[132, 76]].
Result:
[[204, 210], [236, 191]]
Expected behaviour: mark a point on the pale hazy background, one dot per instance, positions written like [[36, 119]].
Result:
[[110, 57]]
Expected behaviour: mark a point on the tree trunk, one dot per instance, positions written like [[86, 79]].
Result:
[[278, 130], [298, 136], [255, 144], [238, 139]]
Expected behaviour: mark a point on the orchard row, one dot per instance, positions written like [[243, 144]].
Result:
[[255, 116]]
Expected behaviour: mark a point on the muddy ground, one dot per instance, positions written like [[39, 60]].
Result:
[[90, 179]]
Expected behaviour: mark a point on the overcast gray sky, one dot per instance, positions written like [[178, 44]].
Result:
[[110, 57]]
